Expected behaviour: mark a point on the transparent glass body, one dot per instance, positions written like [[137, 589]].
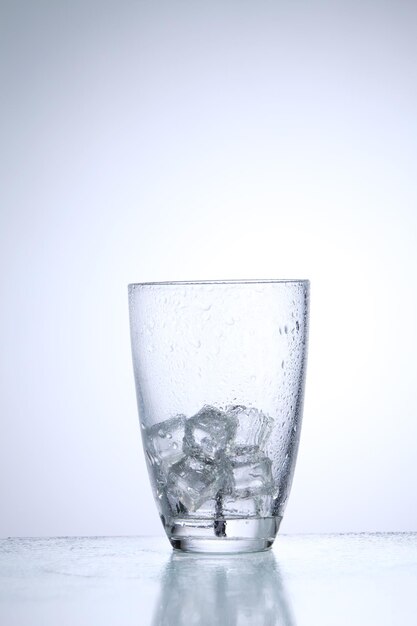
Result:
[[220, 370]]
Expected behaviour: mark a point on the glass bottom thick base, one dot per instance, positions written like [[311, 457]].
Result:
[[223, 536]]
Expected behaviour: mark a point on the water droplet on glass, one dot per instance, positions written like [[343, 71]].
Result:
[[161, 433], [285, 329], [282, 364]]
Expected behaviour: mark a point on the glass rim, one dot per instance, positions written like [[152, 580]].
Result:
[[248, 281]]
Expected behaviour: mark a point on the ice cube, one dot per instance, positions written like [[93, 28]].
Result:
[[247, 507], [207, 510], [251, 471], [163, 442], [253, 426], [192, 481], [209, 433], [240, 507]]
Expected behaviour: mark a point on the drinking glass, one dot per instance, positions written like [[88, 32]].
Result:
[[219, 369]]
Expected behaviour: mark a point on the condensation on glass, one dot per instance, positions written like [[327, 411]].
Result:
[[220, 369]]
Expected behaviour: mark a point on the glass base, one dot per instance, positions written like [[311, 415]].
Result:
[[223, 536]]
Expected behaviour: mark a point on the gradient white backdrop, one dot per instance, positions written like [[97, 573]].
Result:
[[180, 140]]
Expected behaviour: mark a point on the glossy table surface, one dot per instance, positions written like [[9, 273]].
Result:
[[305, 579]]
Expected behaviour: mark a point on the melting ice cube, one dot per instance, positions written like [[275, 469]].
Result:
[[208, 433], [253, 426], [251, 471], [192, 481], [247, 507], [163, 441]]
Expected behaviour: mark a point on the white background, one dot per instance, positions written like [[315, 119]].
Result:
[[183, 140]]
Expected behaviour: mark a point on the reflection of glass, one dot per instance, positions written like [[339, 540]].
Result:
[[219, 369], [237, 590]]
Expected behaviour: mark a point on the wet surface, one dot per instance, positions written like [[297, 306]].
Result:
[[305, 579]]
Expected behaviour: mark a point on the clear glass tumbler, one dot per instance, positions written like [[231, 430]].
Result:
[[220, 369]]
